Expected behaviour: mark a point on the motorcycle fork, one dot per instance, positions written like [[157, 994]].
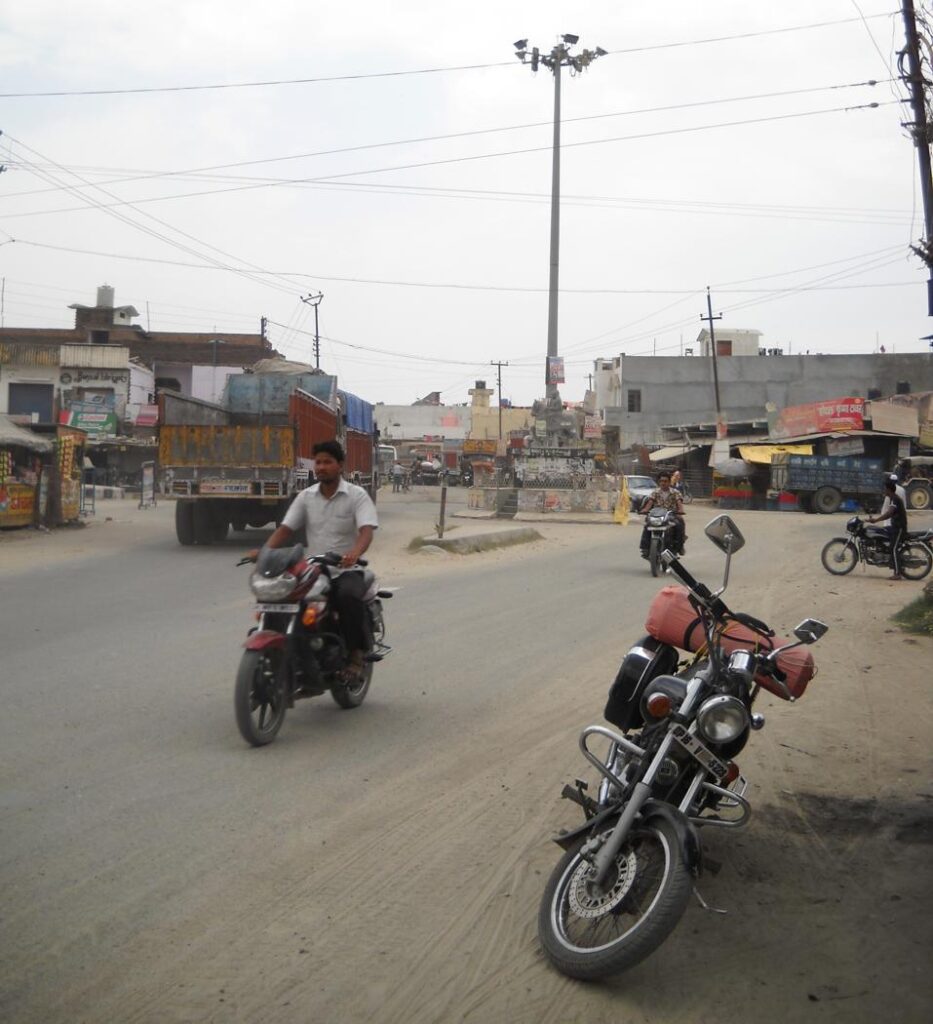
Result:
[[641, 792]]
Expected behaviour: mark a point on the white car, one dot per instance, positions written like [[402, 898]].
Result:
[[640, 488]]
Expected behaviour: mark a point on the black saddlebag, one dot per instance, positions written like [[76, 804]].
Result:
[[646, 660]]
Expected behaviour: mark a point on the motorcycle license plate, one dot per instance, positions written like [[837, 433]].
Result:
[[288, 608], [700, 753]]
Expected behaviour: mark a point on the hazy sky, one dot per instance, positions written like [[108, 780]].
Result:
[[432, 253]]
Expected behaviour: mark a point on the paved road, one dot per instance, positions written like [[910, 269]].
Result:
[[385, 863]]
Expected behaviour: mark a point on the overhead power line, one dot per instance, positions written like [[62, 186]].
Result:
[[328, 178], [197, 172], [419, 71], [459, 286]]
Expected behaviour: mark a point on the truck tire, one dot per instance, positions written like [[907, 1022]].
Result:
[[184, 522], [919, 496], [827, 500], [203, 523]]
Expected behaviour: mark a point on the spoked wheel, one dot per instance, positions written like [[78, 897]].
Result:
[[915, 560], [352, 695], [259, 697], [590, 932], [839, 556], [654, 555]]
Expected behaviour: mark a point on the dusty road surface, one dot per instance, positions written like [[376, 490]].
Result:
[[385, 864]]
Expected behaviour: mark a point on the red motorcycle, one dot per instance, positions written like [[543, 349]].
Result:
[[296, 650]]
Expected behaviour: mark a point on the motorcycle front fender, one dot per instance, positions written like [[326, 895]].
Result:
[[263, 639], [686, 831]]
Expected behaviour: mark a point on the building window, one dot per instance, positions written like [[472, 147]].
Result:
[[100, 337], [634, 400], [902, 387]]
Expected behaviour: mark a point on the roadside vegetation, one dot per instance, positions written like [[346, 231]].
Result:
[[917, 617]]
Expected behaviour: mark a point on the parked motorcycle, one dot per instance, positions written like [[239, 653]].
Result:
[[296, 650], [628, 870], [872, 546], [660, 523]]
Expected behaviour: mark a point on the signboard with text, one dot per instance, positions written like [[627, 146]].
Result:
[[836, 415]]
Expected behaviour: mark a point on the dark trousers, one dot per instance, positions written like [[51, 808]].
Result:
[[895, 539], [347, 592]]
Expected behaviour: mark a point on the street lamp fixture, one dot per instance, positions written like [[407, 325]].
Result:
[[560, 56]]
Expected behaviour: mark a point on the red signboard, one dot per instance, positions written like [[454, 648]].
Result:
[[836, 415]]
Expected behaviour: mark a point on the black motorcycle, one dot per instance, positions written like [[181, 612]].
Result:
[[872, 546], [628, 870], [660, 524]]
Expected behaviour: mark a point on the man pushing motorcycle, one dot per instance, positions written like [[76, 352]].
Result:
[[664, 496], [338, 516]]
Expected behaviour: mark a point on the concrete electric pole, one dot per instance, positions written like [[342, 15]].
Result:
[[919, 129], [559, 57], [315, 301], [709, 318], [499, 364]]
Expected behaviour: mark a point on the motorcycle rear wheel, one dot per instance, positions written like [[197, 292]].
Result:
[[259, 696], [654, 556], [352, 695], [915, 561], [839, 556], [590, 934]]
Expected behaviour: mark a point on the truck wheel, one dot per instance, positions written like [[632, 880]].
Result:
[[919, 498], [827, 500], [184, 522], [203, 523]]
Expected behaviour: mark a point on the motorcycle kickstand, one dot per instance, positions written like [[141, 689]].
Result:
[[705, 905]]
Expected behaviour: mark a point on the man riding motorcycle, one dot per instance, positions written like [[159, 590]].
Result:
[[665, 497], [336, 516]]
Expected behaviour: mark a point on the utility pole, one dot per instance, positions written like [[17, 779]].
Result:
[[315, 301], [262, 327], [920, 130], [499, 364], [709, 318], [559, 57]]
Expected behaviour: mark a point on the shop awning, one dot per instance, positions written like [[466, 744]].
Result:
[[761, 453], [677, 451], [14, 435]]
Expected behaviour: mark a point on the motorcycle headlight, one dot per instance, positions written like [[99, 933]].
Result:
[[722, 719], [276, 588]]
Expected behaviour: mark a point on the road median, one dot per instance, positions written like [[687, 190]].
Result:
[[480, 540]]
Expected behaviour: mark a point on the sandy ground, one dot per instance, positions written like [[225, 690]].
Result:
[[416, 899]]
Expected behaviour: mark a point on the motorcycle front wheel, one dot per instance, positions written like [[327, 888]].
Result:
[[259, 696], [839, 556], [654, 555], [352, 695], [589, 932], [915, 560]]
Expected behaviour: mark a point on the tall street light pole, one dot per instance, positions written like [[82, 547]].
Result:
[[560, 56]]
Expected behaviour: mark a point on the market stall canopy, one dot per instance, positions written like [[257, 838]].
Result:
[[735, 468], [761, 453], [12, 434], [672, 452]]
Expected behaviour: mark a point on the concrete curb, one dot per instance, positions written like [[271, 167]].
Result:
[[472, 543]]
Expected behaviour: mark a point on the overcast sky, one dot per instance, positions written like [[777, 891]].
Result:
[[432, 253]]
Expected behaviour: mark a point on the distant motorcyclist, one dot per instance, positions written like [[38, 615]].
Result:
[[664, 496], [895, 510]]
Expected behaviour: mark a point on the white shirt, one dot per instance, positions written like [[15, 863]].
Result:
[[331, 524]]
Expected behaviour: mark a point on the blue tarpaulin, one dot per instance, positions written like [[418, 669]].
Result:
[[358, 414]]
